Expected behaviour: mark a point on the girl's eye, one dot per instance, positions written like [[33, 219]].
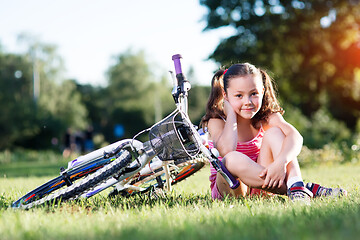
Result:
[[254, 93], [238, 95]]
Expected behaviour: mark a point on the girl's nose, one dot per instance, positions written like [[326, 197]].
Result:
[[248, 100]]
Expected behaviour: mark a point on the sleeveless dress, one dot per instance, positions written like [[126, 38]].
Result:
[[250, 148]]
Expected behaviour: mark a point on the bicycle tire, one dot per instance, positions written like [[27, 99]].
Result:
[[59, 182], [184, 169], [81, 186]]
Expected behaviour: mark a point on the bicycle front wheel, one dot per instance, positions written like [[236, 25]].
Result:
[[50, 192]]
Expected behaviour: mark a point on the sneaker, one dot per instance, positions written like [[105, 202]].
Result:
[[300, 195], [320, 191]]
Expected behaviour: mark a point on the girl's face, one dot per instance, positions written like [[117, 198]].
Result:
[[245, 95]]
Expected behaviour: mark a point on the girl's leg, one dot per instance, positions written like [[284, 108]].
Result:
[[224, 188], [243, 168], [271, 146], [248, 171]]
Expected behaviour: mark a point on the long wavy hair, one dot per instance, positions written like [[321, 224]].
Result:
[[220, 83]]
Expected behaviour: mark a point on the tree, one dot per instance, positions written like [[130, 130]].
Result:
[[133, 95], [33, 118], [198, 96], [312, 48], [17, 107], [58, 105]]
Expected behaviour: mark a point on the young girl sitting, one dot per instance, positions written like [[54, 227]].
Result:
[[245, 124]]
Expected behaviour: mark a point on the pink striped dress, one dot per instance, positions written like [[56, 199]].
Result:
[[250, 148]]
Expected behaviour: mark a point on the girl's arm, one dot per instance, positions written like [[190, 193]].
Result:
[[224, 134]]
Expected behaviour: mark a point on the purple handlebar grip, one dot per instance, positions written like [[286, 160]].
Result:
[[176, 59], [234, 181]]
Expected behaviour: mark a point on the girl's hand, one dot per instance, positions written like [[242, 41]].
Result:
[[274, 175], [228, 109]]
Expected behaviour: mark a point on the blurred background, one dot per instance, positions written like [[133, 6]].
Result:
[[76, 75]]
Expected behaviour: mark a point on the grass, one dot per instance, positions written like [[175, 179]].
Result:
[[26, 163], [187, 213]]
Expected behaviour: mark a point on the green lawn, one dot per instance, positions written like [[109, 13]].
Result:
[[188, 213], [27, 163]]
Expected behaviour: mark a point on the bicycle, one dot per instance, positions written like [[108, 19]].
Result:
[[173, 143]]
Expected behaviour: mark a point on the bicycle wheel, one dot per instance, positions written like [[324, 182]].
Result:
[[89, 176], [179, 171]]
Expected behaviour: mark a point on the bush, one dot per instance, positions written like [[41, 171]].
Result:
[[294, 116], [325, 129], [322, 129], [329, 154]]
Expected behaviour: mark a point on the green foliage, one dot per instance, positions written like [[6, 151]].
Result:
[[321, 129], [129, 78], [198, 97], [134, 98], [294, 116], [64, 102], [16, 102], [325, 129], [59, 106], [33, 118], [326, 140], [311, 46], [329, 154]]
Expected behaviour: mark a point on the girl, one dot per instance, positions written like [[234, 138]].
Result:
[[244, 121]]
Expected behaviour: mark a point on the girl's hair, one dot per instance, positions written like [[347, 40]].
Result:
[[220, 82]]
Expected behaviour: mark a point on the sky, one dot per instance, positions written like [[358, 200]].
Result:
[[89, 33]]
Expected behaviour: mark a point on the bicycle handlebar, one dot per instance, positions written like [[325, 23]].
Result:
[[176, 58], [233, 182], [181, 79]]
